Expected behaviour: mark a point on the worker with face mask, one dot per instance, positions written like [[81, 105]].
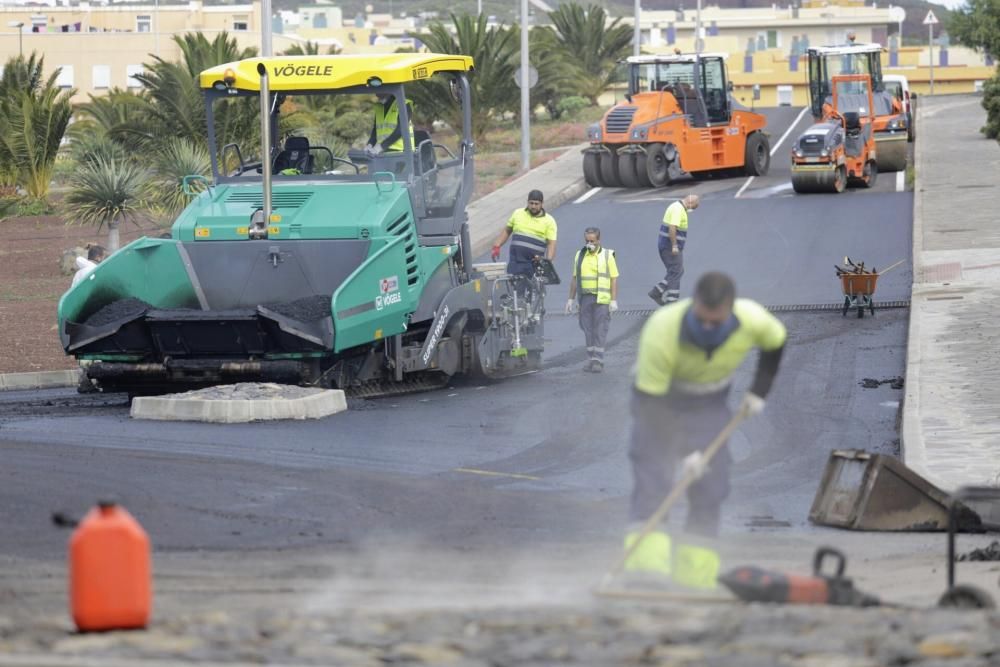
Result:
[[688, 352], [386, 135], [595, 278]]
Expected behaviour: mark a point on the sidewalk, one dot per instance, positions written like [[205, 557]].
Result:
[[951, 411], [560, 180]]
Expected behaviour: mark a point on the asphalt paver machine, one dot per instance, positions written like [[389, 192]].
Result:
[[303, 264]]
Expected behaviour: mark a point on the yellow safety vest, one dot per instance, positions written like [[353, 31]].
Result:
[[386, 122], [664, 359], [676, 215], [596, 269]]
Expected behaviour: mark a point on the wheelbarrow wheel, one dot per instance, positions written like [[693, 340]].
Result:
[[847, 305], [966, 597]]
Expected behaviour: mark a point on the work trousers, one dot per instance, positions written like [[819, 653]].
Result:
[[670, 286], [595, 318], [664, 431]]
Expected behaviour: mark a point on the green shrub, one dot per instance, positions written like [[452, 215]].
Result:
[[571, 106], [991, 102]]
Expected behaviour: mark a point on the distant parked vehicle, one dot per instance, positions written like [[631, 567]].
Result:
[[900, 89]]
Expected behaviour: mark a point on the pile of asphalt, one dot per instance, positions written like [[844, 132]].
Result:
[[250, 391], [307, 309], [118, 310], [989, 553]]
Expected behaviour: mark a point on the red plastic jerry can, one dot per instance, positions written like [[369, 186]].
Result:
[[110, 571]]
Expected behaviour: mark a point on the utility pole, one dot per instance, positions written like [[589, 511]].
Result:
[[635, 31], [930, 45], [525, 91], [156, 27], [265, 28], [697, 29], [479, 7]]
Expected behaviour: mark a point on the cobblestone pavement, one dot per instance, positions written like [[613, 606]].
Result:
[[599, 635]]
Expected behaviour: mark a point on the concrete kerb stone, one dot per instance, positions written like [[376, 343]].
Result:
[[39, 380], [240, 403], [911, 440]]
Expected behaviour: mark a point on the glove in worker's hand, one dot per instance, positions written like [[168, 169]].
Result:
[[693, 465], [572, 306], [752, 404], [495, 254], [613, 306]]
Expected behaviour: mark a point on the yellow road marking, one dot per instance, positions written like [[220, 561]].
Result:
[[490, 473]]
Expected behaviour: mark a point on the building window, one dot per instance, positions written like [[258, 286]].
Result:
[[143, 23], [65, 78], [101, 77], [241, 23], [130, 72]]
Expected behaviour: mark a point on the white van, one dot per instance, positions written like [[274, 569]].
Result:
[[900, 89]]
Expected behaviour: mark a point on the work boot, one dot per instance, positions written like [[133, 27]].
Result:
[[596, 366], [656, 295], [589, 367]]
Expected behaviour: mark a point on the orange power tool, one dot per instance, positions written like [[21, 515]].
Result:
[[754, 584]]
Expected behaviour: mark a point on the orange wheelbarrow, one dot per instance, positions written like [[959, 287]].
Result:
[[858, 291]]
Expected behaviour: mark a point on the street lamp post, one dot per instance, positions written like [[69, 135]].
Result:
[[265, 28], [636, 34], [525, 91], [20, 36]]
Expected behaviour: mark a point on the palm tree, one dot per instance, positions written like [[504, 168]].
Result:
[[107, 192], [109, 115], [494, 92], [177, 158], [309, 49], [556, 73], [594, 45], [174, 104], [21, 77], [32, 131]]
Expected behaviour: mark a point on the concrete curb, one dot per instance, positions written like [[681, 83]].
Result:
[[235, 411], [39, 380], [912, 449], [27, 660], [488, 215]]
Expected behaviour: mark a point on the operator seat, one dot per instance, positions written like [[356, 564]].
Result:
[[855, 134], [425, 150], [295, 155]]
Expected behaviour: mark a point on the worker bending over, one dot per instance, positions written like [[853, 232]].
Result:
[[688, 352]]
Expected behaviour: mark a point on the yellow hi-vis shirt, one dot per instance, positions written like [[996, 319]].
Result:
[[676, 215], [386, 121], [542, 227], [664, 358], [596, 271]]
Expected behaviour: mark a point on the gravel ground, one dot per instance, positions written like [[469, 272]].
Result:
[[601, 634]]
